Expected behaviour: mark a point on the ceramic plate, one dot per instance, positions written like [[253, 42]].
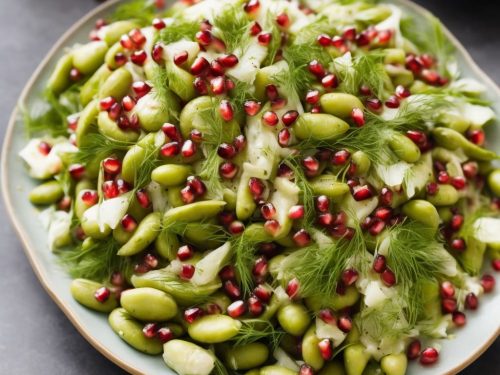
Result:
[[482, 328]]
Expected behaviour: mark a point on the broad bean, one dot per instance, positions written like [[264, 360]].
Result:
[[174, 196], [187, 358], [310, 350], [333, 368], [494, 182], [193, 212], [180, 81], [86, 121], [394, 56], [152, 113], [362, 163], [399, 75], [404, 148], [89, 57], [422, 211], [337, 301], [145, 234], [245, 204], [319, 126], [167, 244], [110, 129], [355, 359], [109, 59], [454, 121], [328, 185], [213, 329], [170, 175], [276, 370], [121, 236], [451, 139], [394, 364], [148, 304], [83, 292], [340, 104], [90, 88], [113, 32], [47, 193], [59, 79], [446, 195], [80, 206], [294, 318], [246, 356], [117, 84]]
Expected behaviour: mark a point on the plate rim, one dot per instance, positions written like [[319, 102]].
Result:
[[30, 251]]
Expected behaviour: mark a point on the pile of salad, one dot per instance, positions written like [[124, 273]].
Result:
[[269, 187]]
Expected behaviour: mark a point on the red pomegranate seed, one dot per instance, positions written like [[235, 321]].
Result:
[[362, 192], [430, 76], [90, 197], [443, 177], [239, 142], [170, 149], [218, 85], [255, 306], [384, 36], [123, 187], [164, 334], [112, 165], [383, 213], [349, 33], [190, 315], [272, 226], [143, 198], [413, 64], [129, 224], [76, 171], [329, 81], [139, 57], [432, 188], [255, 29], [413, 350], [459, 318], [316, 68], [271, 92], [187, 271], [495, 263], [264, 38], [326, 349], [137, 37], [171, 132], [268, 211], [228, 170], [106, 103], [429, 356], [458, 244], [324, 40], [257, 187], [236, 227], [226, 151], [471, 301], [126, 42], [110, 189], [345, 323], [476, 136], [388, 277], [362, 39], [217, 69], [338, 42], [270, 118], [448, 305], [226, 110], [488, 283], [157, 53], [290, 117], [228, 273], [374, 104], [232, 290], [305, 369], [311, 164], [251, 6], [327, 316], [470, 169], [302, 238], [262, 292], [349, 276], [447, 289], [283, 20], [120, 59], [426, 60], [312, 96], [159, 24], [418, 137], [341, 218], [322, 203], [115, 111], [402, 92], [102, 294], [188, 195], [458, 182], [341, 157], [251, 107], [292, 288], [185, 252], [75, 75], [456, 222], [204, 37], [180, 58], [236, 309], [296, 212], [188, 149], [151, 261], [260, 267], [392, 102], [228, 61], [128, 103], [284, 137], [117, 279], [199, 65], [141, 88], [379, 263], [376, 227], [205, 24], [325, 219]]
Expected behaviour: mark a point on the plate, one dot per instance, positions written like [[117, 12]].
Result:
[[469, 342]]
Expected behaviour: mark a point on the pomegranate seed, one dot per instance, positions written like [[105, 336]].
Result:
[[429, 356], [272, 226], [341, 157], [226, 151], [100, 23], [418, 137], [159, 24], [443, 177], [218, 85], [325, 219], [296, 212], [316, 68], [255, 29], [126, 42], [137, 37], [305, 369], [151, 261], [171, 132], [324, 40], [141, 88], [102, 294], [458, 244], [232, 290], [188, 194], [456, 222], [376, 227], [311, 164], [255, 306], [413, 350], [312, 96], [115, 111], [426, 60], [283, 20], [448, 305], [362, 192], [470, 169], [228, 170], [204, 37], [180, 58], [262, 292], [432, 188], [345, 323], [236, 227], [330, 80], [270, 118], [388, 277], [143, 198], [379, 263], [120, 59], [164, 334], [129, 224], [326, 349], [302, 238], [402, 92], [228, 61], [476, 136], [316, 109], [374, 104], [226, 110], [236, 309], [413, 64], [264, 38], [139, 57], [471, 301], [260, 267], [257, 187], [284, 137], [384, 36], [383, 213], [459, 318], [110, 189], [392, 102], [89, 197], [251, 107], [447, 289], [157, 53], [349, 33], [272, 92], [338, 42], [292, 288], [268, 211], [170, 149], [239, 142], [458, 182], [430, 76], [185, 252], [190, 315], [128, 103], [349, 276], [327, 316], [76, 171], [199, 65], [323, 203], [117, 279], [251, 6], [495, 263], [187, 271], [141, 268], [488, 283], [188, 149], [123, 187], [205, 24], [112, 165], [106, 103], [75, 75], [365, 90], [362, 40]]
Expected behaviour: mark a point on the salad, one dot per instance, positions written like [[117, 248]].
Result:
[[269, 187]]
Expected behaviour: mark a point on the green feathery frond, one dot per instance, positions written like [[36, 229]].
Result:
[[218, 233], [141, 11], [253, 330], [143, 171], [231, 25], [98, 146], [178, 30], [160, 80]]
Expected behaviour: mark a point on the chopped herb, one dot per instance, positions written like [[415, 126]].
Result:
[[231, 25], [98, 146], [142, 11], [253, 330], [178, 30]]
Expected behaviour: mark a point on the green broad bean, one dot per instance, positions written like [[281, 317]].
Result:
[[422, 211], [214, 329], [485, 167], [494, 182], [362, 163], [266, 76], [336, 302], [472, 258], [245, 204], [394, 364], [47, 193], [399, 75], [109, 59], [89, 57], [174, 196], [121, 236], [310, 350], [230, 197], [332, 368], [373, 368], [373, 15], [431, 299], [404, 148], [132, 161], [446, 195], [152, 113], [328, 185], [203, 237], [445, 214], [130, 331], [255, 371], [110, 129], [274, 264], [340, 104], [170, 175], [271, 308], [247, 356], [286, 241], [59, 80], [80, 206], [218, 298], [319, 126], [136, 210], [355, 359], [294, 318], [83, 292], [353, 336], [184, 292], [180, 81], [113, 32], [90, 88], [186, 358], [454, 121], [194, 212], [394, 56], [86, 121], [148, 304], [419, 87], [145, 234], [167, 244], [276, 370], [451, 139], [117, 84]]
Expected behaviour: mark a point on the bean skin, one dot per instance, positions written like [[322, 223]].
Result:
[[246, 357], [310, 351], [355, 359], [47, 193], [148, 304], [394, 364], [90, 88], [422, 211], [110, 129], [59, 79], [194, 212], [89, 57], [494, 182], [340, 104], [187, 358], [112, 33], [145, 234], [170, 175], [83, 292], [213, 329], [319, 126], [404, 148], [117, 84], [86, 121], [294, 318]]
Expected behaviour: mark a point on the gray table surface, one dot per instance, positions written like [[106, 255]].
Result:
[[35, 336]]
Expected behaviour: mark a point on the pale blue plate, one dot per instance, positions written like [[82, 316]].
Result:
[[481, 330]]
